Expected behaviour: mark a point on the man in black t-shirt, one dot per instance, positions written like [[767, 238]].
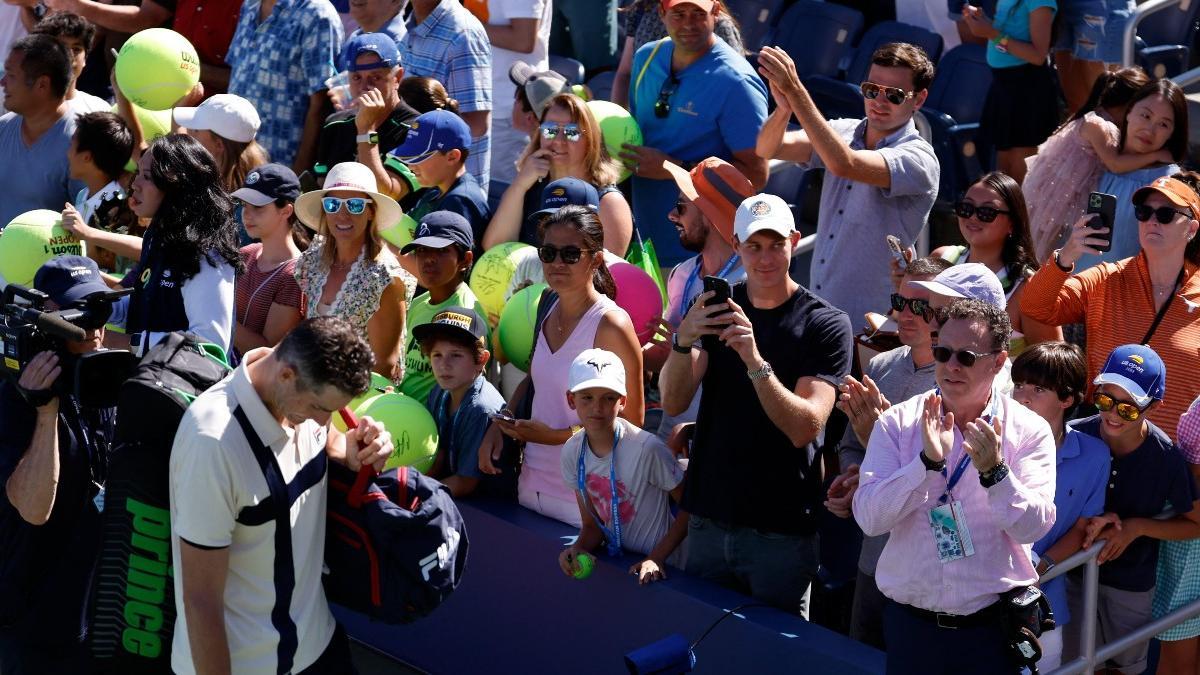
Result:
[[376, 122], [53, 456], [770, 371]]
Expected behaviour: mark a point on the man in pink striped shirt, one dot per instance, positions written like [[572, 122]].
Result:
[[963, 479]]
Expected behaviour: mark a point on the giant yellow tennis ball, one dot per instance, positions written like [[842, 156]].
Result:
[[617, 127], [414, 433], [489, 279], [30, 240], [156, 67], [399, 234], [378, 384], [155, 125], [516, 329]]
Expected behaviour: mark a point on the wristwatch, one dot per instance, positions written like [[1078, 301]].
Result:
[[994, 475], [1044, 565], [675, 346], [931, 465], [1058, 262], [763, 372], [370, 138]]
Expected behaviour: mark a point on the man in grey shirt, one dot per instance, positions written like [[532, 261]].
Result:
[[895, 375], [881, 176]]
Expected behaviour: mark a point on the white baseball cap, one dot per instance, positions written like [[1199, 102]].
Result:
[[968, 280], [763, 212], [596, 368], [226, 115]]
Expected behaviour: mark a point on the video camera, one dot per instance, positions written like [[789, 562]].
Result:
[[27, 329]]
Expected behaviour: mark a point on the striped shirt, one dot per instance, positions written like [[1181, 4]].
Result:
[[452, 47], [1115, 302], [256, 290]]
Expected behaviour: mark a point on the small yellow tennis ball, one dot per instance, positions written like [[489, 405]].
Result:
[[30, 240], [156, 67], [585, 563]]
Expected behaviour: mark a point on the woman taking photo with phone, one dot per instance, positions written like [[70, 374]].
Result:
[[1148, 299], [582, 316]]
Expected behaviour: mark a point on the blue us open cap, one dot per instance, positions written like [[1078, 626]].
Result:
[[1138, 370], [435, 131]]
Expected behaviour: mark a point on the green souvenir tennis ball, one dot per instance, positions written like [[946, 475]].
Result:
[[378, 384], [584, 564], [157, 67], [516, 325], [155, 125], [30, 240], [617, 127], [400, 234], [413, 430], [490, 277]]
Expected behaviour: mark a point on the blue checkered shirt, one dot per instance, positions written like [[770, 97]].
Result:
[[452, 47], [279, 63]]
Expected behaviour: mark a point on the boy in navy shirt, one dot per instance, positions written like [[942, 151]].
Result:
[[1150, 496], [462, 402]]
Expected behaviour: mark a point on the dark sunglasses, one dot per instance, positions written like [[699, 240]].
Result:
[[680, 207], [965, 357], [569, 254], [571, 132], [894, 95], [983, 213], [1125, 410], [662, 107], [919, 307], [1163, 214]]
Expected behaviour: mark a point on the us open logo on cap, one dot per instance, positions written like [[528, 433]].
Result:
[[453, 319], [1134, 363], [252, 178], [559, 192], [760, 208]]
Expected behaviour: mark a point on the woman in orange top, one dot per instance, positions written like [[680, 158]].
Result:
[[1120, 302]]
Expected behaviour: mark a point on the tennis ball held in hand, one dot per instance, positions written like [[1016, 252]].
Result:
[[584, 564]]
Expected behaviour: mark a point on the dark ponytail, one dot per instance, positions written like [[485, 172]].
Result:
[[584, 221], [1113, 89]]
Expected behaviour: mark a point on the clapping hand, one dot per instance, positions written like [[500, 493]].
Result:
[[937, 430], [863, 403], [981, 441], [840, 496]]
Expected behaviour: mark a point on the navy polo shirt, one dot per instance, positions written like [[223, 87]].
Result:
[[1143, 484], [466, 198]]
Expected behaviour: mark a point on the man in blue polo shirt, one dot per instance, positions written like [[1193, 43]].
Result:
[[693, 97]]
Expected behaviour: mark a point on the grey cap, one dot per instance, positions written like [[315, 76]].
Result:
[[540, 86]]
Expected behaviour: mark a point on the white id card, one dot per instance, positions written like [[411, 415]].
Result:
[[950, 532]]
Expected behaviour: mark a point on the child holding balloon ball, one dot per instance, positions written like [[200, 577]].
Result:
[[622, 476]]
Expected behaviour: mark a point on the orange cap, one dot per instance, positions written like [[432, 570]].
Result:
[[706, 5], [717, 187], [1176, 191]]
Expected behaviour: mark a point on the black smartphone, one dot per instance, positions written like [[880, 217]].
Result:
[[1102, 207], [721, 291]]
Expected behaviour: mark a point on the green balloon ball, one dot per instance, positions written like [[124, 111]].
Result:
[[378, 384], [155, 125], [516, 325], [400, 234], [491, 274], [617, 126], [30, 240], [413, 429], [584, 564], [157, 67]]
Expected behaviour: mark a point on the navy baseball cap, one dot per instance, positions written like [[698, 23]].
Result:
[[435, 131], [439, 229], [1138, 370], [69, 279], [566, 192], [458, 322], [379, 44], [268, 183]]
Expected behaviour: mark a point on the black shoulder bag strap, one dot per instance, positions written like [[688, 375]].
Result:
[[1162, 311], [278, 507]]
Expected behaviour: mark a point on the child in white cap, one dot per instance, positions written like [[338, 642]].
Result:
[[622, 476]]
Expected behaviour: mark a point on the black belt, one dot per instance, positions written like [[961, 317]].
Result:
[[986, 616]]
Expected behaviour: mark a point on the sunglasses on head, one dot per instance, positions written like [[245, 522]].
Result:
[[919, 307], [965, 357], [662, 107], [571, 132], [894, 95], [355, 205], [569, 254], [1163, 214], [983, 213], [1125, 410]]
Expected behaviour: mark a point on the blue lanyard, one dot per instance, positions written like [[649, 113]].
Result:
[[444, 434], [988, 414], [695, 276], [612, 537]]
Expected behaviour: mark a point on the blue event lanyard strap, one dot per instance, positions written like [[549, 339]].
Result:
[[695, 276], [965, 461], [445, 434], [612, 537]]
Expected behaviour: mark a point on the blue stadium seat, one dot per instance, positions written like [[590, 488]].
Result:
[[817, 35], [1164, 40], [841, 98], [756, 19], [568, 68], [602, 84], [952, 111]]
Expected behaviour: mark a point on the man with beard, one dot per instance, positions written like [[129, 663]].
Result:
[[703, 215]]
